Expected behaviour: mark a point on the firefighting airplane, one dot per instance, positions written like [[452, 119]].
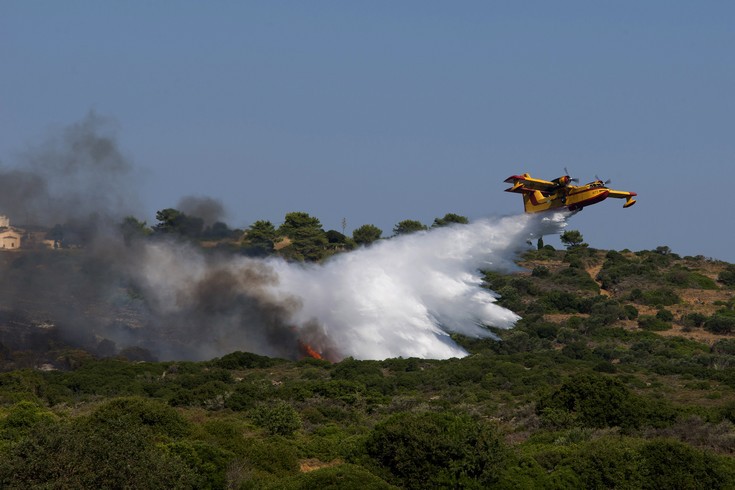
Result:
[[543, 195]]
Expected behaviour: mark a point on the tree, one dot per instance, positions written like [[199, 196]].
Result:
[[132, 229], [308, 239], [174, 221], [259, 238], [338, 241], [298, 220], [335, 237], [218, 231], [572, 239], [366, 234], [448, 219], [408, 226], [169, 220]]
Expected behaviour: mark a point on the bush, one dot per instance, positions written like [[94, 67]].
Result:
[[653, 323], [724, 346], [608, 463], [597, 401], [86, 455], [339, 477], [244, 360], [720, 324], [562, 302], [665, 315], [278, 418], [153, 416], [439, 450], [693, 320], [207, 461], [688, 279], [23, 419], [540, 271], [660, 297], [246, 395], [727, 277], [577, 350], [672, 464], [606, 313], [631, 312]]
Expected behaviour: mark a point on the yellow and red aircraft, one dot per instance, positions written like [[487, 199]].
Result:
[[545, 195]]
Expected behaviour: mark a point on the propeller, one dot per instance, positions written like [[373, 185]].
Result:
[[606, 182], [566, 172]]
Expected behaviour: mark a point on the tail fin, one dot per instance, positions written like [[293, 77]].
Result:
[[532, 201]]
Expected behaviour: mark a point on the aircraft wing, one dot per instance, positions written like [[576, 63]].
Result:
[[526, 183], [623, 195]]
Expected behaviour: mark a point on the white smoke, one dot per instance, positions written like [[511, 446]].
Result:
[[401, 297], [398, 297]]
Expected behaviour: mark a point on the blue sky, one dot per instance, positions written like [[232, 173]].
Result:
[[388, 110]]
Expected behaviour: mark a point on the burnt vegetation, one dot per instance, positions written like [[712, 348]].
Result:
[[620, 374]]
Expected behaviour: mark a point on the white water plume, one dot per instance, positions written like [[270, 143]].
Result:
[[401, 297], [404, 296]]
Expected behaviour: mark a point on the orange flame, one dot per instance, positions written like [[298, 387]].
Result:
[[309, 351]]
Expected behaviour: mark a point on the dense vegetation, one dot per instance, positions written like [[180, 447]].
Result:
[[300, 237], [619, 375]]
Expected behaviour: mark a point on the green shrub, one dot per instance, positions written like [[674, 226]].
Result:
[[597, 401], [665, 315], [207, 461], [245, 360], [152, 415], [720, 324], [439, 450], [631, 312], [727, 277], [700, 281], [577, 350], [278, 418], [608, 462], [660, 297], [606, 312], [562, 301], [724, 346], [687, 279], [495, 280], [540, 271], [693, 320], [246, 395], [672, 464], [340, 477], [90, 455], [653, 323], [24, 418], [577, 277]]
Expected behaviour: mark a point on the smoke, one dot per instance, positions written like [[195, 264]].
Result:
[[399, 297], [210, 210], [77, 172]]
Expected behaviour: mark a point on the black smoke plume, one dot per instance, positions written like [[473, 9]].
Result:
[[92, 289]]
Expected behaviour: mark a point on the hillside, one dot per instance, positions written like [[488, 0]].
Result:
[[619, 375]]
